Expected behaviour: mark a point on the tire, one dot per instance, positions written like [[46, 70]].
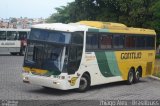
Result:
[[12, 53], [130, 79], [22, 51], [137, 76], [84, 84]]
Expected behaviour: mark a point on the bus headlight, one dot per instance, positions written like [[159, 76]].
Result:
[[56, 83], [25, 78]]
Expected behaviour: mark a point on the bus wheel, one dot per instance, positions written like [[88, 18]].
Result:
[[137, 75], [84, 83], [130, 77], [13, 54], [21, 53]]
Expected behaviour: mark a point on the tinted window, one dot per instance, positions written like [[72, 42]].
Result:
[[2, 35], [77, 37], [140, 42], [75, 55], [105, 41], [92, 41], [118, 41], [51, 36], [130, 42], [22, 35], [11, 35], [38, 34], [150, 42], [60, 37]]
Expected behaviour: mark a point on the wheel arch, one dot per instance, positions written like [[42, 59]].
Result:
[[87, 74], [133, 69], [139, 68]]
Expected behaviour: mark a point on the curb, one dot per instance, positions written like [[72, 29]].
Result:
[[155, 78]]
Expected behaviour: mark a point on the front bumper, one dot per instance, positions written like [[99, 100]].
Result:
[[50, 82]]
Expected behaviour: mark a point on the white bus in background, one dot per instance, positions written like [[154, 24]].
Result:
[[13, 41]]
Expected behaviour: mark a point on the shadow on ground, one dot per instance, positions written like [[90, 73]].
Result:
[[51, 91]]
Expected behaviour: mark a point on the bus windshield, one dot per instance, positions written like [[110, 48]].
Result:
[[45, 56], [54, 51], [50, 36]]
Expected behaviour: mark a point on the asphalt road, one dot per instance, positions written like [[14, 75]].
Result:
[[12, 87]]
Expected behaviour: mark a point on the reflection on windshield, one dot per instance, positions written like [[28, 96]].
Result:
[[46, 57]]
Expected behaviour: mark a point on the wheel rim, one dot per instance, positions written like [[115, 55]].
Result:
[[130, 76], [83, 83]]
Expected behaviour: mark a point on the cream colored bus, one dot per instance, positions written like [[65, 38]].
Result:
[[87, 53], [13, 41]]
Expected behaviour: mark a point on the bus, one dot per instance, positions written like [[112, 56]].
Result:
[[13, 41], [87, 53]]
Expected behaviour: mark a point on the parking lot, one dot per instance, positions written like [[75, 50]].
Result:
[[12, 87]]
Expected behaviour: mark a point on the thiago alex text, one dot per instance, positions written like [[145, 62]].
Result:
[[129, 103]]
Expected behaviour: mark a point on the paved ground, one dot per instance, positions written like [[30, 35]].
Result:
[[12, 87]]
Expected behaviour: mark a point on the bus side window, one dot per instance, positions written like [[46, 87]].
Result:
[[75, 55], [130, 42], [150, 42], [118, 41], [105, 41], [2, 35], [140, 42], [22, 35], [91, 41], [11, 35], [77, 38]]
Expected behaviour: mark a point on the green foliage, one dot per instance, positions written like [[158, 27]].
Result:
[[135, 13], [157, 74], [157, 56]]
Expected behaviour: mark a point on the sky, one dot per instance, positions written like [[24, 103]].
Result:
[[30, 8]]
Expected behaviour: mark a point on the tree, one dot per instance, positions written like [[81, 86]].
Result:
[[134, 13]]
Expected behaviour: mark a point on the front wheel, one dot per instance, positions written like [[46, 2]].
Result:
[[84, 83]]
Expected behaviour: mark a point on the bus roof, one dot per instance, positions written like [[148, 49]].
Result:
[[12, 29], [95, 26], [72, 27], [116, 28]]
